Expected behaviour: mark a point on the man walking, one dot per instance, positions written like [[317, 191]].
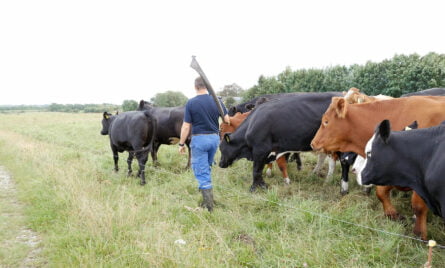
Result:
[[201, 121]]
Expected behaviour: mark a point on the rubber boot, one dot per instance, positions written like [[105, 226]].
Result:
[[207, 199]]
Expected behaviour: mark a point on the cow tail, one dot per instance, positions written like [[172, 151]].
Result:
[[153, 130]]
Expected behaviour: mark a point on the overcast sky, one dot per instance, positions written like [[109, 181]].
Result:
[[108, 51]]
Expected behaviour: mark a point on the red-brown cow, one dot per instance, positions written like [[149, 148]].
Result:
[[348, 127]]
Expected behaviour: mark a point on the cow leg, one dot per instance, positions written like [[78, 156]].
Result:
[[420, 210], [154, 153], [331, 162], [258, 176], [282, 164], [129, 161], [320, 161], [383, 194], [142, 160], [115, 158], [189, 154], [269, 170], [297, 160], [344, 177]]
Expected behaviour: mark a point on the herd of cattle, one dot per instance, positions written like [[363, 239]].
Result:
[[352, 127]]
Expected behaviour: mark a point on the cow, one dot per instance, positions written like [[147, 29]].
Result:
[[347, 128], [413, 159], [427, 92], [249, 105], [169, 121], [238, 118], [277, 127], [353, 95], [134, 132], [235, 122]]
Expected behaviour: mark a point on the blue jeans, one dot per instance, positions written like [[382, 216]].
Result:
[[203, 151]]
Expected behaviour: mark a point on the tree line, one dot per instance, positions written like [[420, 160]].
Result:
[[393, 77]]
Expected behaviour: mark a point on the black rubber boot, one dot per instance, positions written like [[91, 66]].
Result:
[[207, 199]]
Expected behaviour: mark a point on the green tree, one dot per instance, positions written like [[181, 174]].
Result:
[[169, 99], [129, 105]]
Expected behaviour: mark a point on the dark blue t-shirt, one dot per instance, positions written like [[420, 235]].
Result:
[[201, 111]]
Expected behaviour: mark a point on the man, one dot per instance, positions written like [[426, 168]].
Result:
[[201, 120]]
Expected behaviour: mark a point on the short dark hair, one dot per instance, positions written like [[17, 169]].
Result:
[[199, 83]]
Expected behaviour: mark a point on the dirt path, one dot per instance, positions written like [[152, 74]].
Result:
[[16, 236]]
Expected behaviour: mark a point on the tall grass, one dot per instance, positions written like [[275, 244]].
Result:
[[90, 216]]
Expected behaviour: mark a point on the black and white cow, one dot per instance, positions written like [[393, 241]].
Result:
[[413, 159], [274, 128], [169, 121], [133, 132]]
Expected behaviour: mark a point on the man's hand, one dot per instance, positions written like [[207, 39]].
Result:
[[181, 149]]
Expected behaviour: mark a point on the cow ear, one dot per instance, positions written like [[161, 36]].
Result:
[[384, 130], [340, 107], [106, 115], [249, 106], [232, 110], [412, 126], [227, 137]]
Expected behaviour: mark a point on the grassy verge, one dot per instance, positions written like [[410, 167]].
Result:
[[89, 216]]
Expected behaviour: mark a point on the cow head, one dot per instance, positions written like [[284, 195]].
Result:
[[383, 131], [144, 106], [379, 156], [106, 121], [331, 135], [232, 149]]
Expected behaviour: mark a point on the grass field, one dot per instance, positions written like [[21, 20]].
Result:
[[89, 216]]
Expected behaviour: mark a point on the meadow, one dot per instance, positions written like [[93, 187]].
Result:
[[89, 216]]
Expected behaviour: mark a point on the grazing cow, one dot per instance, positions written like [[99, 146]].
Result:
[[235, 122], [427, 92], [133, 132], [395, 158], [275, 128], [347, 128], [169, 126]]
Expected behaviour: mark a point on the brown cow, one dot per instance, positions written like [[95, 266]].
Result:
[[347, 128]]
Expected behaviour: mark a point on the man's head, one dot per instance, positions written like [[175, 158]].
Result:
[[199, 84]]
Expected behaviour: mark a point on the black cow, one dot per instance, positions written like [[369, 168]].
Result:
[[427, 92], [169, 121], [278, 126], [413, 159], [249, 105], [133, 132]]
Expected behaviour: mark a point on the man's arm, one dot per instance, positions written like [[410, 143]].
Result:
[[185, 132]]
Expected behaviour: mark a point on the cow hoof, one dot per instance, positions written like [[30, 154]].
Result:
[[298, 168], [255, 186], [396, 217], [129, 173], [269, 172], [367, 190], [142, 183], [116, 170], [287, 181], [343, 193]]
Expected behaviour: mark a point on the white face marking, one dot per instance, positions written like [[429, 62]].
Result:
[[360, 162]]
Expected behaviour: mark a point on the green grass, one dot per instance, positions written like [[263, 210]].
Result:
[[89, 216]]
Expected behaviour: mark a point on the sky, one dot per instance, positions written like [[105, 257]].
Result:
[[109, 51]]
